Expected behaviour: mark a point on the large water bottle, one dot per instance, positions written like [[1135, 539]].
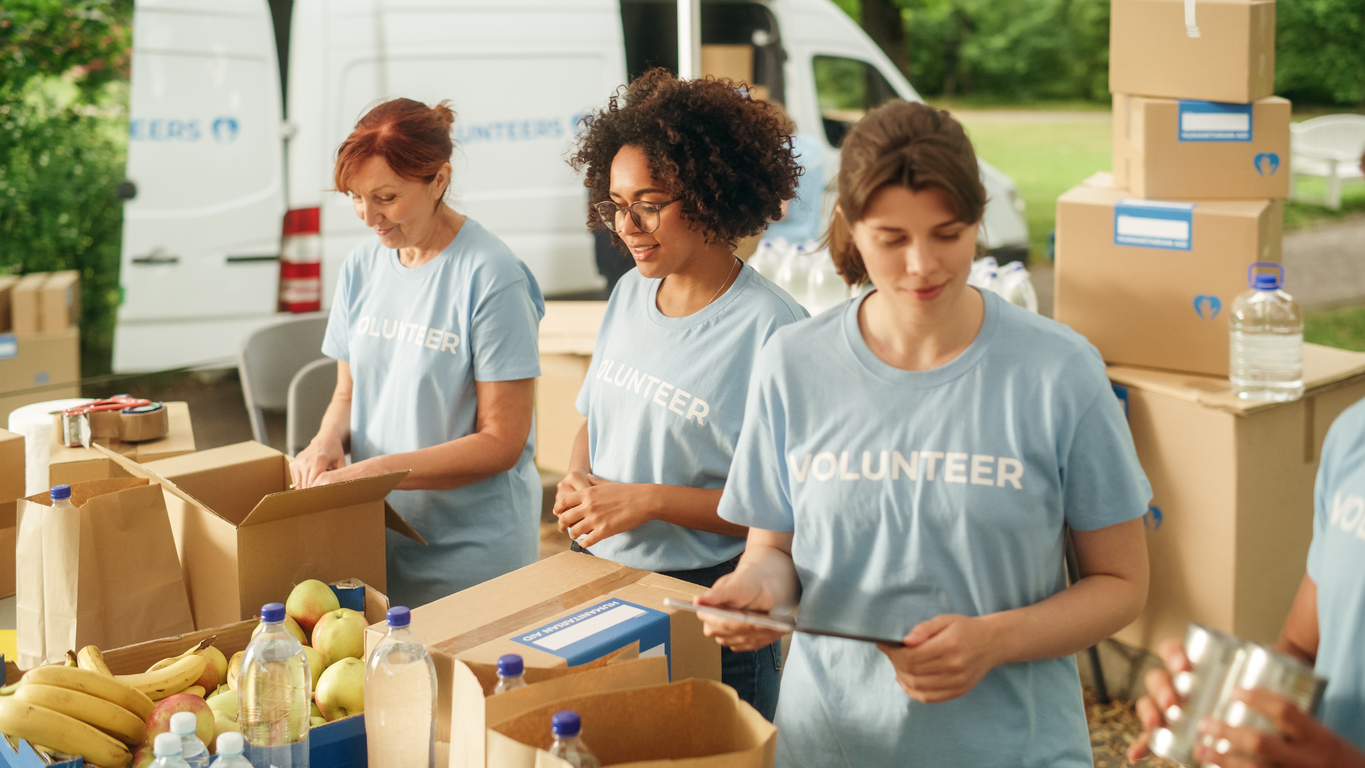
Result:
[[400, 698], [166, 751], [1014, 285], [511, 674], [569, 747], [273, 694], [192, 750], [767, 257], [793, 274], [230, 747], [1266, 349], [824, 286]]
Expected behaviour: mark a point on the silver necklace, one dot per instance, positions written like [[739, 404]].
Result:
[[728, 275]]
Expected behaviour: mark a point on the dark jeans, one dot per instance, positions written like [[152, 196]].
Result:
[[753, 674]]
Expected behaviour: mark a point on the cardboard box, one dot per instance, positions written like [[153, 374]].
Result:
[[11, 490], [7, 283], [1151, 283], [27, 304], [28, 362], [1199, 150], [689, 724], [1152, 54], [567, 334], [560, 612], [731, 62], [1232, 481], [59, 302], [177, 442]]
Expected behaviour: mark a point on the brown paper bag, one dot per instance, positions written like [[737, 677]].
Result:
[[111, 575], [692, 724], [28, 586]]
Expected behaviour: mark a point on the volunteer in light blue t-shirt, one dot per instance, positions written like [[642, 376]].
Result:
[[434, 327], [909, 464], [678, 171], [1325, 626]]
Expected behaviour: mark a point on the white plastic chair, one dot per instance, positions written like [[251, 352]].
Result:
[[1329, 147], [268, 360], [310, 393]]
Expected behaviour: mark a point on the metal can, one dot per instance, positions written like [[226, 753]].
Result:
[[1284, 676], [1212, 655]]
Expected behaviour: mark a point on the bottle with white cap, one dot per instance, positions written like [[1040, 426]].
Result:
[[230, 746], [567, 729], [400, 698], [166, 749], [511, 674], [192, 750]]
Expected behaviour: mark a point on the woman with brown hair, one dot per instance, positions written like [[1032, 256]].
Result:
[[434, 328], [908, 466]]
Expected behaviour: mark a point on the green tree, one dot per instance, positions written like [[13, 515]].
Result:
[[1320, 51]]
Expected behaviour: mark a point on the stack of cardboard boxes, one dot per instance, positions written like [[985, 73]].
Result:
[[1149, 261], [39, 338]]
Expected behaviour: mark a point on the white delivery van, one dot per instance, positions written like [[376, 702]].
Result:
[[238, 106]]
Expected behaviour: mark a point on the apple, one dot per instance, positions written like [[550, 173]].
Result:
[[224, 704], [222, 724], [215, 672], [313, 710], [289, 624], [316, 721], [160, 720], [315, 664], [339, 635], [308, 602], [143, 756], [234, 669], [341, 691]]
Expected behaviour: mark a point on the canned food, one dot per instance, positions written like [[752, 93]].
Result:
[[1284, 676], [1212, 655]]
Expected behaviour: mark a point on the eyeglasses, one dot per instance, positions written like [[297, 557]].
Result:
[[645, 214]]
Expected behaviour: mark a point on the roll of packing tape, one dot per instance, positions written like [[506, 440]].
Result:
[[148, 422], [34, 422]]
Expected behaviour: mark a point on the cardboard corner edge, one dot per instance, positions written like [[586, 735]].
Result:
[[395, 522]]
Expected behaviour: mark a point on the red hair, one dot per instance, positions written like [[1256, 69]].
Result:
[[412, 138]]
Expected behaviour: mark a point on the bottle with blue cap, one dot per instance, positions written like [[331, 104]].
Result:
[[511, 674], [61, 497], [273, 694], [166, 752], [567, 729], [1266, 344], [400, 698]]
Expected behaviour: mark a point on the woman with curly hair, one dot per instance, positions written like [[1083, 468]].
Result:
[[678, 171]]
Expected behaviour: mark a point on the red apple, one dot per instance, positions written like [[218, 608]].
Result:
[[160, 720], [308, 602], [143, 757]]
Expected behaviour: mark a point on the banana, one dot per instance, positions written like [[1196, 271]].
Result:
[[97, 685], [169, 680], [203, 644], [104, 715], [92, 659], [61, 732], [197, 690]]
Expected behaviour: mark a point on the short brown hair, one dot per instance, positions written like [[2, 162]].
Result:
[[411, 137], [903, 144]]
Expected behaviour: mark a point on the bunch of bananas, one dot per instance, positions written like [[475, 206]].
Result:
[[81, 708]]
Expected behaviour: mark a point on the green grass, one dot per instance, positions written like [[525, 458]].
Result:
[[1343, 328], [1298, 215]]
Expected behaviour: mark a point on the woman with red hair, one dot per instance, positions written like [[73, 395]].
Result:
[[434, 329]]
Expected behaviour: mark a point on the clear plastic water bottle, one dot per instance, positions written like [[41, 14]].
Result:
[[166, 749], [1014, 285], [273, 695], [793, 274], [230, 746], [400, 698], [824, 286], [510, 674], [192, 750], [766, 258], [569, 747], [983, 273], [61, 497], [1266, 349]]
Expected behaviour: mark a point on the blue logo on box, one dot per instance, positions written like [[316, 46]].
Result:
[[1207, 307], [1267, 163], [9, 346], [1154, 224], [600, 629], [1214, 121]]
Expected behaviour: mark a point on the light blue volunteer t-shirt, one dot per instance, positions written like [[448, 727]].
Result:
[[1336, 563], [417, 341], [665, 401], [918, 493]]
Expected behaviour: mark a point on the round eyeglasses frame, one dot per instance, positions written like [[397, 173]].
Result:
[[609, 212]]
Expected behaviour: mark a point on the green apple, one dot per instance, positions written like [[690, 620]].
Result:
[[341, 691], [340, 634]]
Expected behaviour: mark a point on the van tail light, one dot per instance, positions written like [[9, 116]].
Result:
[[301, 262]]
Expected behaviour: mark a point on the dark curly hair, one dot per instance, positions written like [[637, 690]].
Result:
[[726, 156]]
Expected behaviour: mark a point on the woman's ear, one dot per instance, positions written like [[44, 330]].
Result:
[[442, 180]]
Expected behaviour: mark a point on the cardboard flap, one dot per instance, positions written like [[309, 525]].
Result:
[[395, 522], [596, 677], [306, 501], [133, 469]]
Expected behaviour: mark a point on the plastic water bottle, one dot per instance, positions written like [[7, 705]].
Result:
[[166, 749], [510, 674], [793, 274], [569, 746], [824, 286], [273, 695], [1266, 349], [1014, 285], [400, 698], [766, 259], [230, 746], [983, 273], [192, 750]]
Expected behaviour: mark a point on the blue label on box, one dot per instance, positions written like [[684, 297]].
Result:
[[598, 630], [1154, 224], [9, 346], [1214, 121]]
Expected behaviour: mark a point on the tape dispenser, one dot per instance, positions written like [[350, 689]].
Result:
[[121, 417]]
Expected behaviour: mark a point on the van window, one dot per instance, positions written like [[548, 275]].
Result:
[[847, 89], [650, 28]]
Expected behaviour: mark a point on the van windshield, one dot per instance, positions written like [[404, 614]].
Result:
[[847, 89]]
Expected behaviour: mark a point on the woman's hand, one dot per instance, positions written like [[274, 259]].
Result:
[[590, 513], [944, 657], [319, 458], [1161, 694], [744, 589], [1303, 742]]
